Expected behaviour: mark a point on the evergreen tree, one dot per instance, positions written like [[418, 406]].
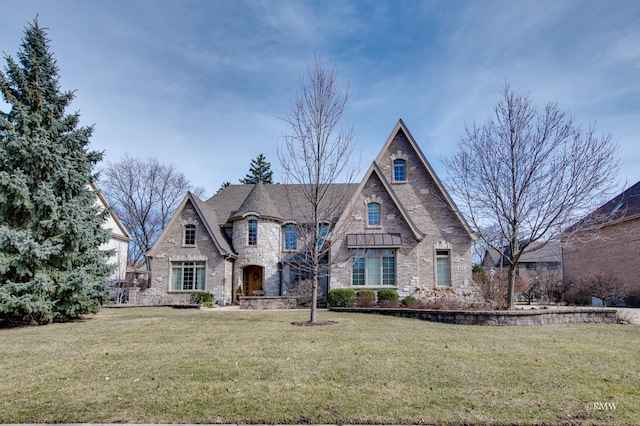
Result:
[[223, 186], [51, 266], [259, 171]]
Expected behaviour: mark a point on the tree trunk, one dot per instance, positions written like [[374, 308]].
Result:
[[314, 297], [512, 286]]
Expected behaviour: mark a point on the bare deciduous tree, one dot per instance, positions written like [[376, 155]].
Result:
[[315, 156], [604, 286], [528, 173], [144, 194]]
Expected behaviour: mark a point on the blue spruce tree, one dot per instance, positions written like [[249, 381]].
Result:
[[51, 264]]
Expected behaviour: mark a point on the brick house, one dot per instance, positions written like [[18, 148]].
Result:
[[541, 257], [401, 228], [606, 241]]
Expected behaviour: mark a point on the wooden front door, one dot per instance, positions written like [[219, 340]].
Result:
[[253, 281]]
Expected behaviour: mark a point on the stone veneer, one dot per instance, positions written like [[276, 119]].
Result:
[[249, 302], [498, 318]]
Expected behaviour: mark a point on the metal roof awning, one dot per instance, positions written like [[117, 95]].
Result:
[[373, 240]]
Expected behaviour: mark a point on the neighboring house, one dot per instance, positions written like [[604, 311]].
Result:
[[403, 231], [540, 258], [606, 241], [119, 240]]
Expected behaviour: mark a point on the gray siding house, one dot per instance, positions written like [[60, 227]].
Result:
[[400, 229]]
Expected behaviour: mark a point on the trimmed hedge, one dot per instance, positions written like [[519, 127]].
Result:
[[408, 300], [387, 294], [341, 297], [365, 298]]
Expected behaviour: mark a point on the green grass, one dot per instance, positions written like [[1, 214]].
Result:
[[162, 365]]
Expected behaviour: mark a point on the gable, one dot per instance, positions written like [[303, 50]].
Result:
[[421, 182], [206, 216]]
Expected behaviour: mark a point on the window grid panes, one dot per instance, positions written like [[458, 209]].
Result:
[[374, 267], [373, 214], [399, 171], [323, 229], [187, 276], [443, 268], [189, 235], [253, 232], [290, 237]]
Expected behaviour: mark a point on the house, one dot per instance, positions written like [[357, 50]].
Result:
[[539, 258], [606, 241], [118, 241], [401, 230]]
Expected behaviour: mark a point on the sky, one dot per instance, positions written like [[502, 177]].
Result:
[[203, 85]]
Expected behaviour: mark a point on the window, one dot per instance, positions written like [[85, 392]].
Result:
[[323, 229], [253, 232], [189, 235], [290, 237], [399, 171], [187, 276], [373, 214], [373, 267], [530, 266], [298, 273], [443, 268]]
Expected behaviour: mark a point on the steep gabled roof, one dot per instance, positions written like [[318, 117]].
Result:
[[233, 201], [209, 219], [401, 127], [389, 189], [537, 252], [624, 206], [124, 234]]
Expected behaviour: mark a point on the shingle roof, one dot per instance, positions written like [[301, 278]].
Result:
[[258, 201], [279, 201], [624, 205]]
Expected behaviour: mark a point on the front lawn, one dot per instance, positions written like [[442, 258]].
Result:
[[163, 365]]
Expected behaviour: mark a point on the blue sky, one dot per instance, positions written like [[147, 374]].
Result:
[[201, 84]]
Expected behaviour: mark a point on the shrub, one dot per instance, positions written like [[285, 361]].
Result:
[[408, 300], [388, 294], [207, 304], [365, 298], [200, 297], [341, 297]]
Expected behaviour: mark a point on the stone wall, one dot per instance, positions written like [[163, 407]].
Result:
[[498, 318], [171, 248], [426, 206], [249, 302]]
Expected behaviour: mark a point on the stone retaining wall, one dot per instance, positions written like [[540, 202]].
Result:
[[499, 318], [267, 302]]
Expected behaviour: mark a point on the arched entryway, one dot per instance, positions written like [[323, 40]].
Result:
[[252, 280]]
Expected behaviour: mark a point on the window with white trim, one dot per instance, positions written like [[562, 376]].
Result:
[[443, 268], [373, 267], [253, 232], [373, 214], [399, 170], [187, 276], [189, 235]]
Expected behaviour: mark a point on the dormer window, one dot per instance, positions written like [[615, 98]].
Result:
[[399, 170], [253, 232], [189, 235], [373, 214]]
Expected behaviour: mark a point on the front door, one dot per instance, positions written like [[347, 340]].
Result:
[[253, 281]]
